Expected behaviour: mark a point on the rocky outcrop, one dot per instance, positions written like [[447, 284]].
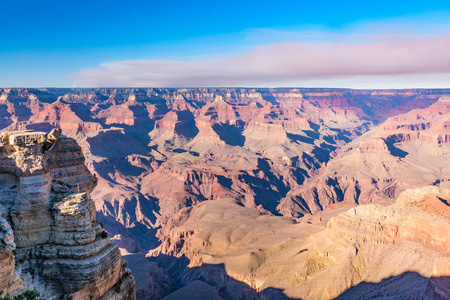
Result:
[[49, 221], [10, 279]]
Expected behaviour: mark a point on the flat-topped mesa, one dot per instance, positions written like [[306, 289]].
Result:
[[47, 214]]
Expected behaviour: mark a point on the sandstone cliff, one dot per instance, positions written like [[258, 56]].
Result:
[[50, 239]]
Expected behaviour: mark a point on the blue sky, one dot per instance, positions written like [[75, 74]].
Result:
[[224, 43]]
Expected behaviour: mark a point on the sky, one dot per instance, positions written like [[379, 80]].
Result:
[[147, 43]]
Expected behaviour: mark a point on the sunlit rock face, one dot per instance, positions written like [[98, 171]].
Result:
[[367, 252], [48, 219]]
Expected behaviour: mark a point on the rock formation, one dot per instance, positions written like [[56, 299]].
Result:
[[370, 251], [290, 152], [408, 150], [50, 239]]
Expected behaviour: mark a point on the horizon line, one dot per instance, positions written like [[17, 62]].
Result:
[[224, 87]]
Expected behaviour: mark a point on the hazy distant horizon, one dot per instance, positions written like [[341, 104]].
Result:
[[223, 87]]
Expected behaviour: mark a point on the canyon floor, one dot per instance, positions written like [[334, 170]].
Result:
[[263, 193]]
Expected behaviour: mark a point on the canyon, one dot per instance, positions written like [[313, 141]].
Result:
[[254, 193], [406, 241]]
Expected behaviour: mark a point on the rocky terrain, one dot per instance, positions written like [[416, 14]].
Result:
[[407, 150], [370, 251], [282, 162], [50, 240]]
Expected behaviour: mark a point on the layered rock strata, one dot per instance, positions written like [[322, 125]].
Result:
[[368, 252], [50, 238], [156, 151], [376, 224], [407, 151]]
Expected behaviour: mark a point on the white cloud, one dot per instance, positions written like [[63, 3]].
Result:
[[346, 62]]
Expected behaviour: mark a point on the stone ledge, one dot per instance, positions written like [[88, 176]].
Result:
[[27, 139], [4, 136]]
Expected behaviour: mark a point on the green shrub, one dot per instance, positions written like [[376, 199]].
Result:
[[27, 295]]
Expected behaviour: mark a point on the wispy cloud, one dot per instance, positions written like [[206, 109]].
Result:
[[339, 56]]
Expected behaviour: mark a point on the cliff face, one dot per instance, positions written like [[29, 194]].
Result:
[[50, 239]]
